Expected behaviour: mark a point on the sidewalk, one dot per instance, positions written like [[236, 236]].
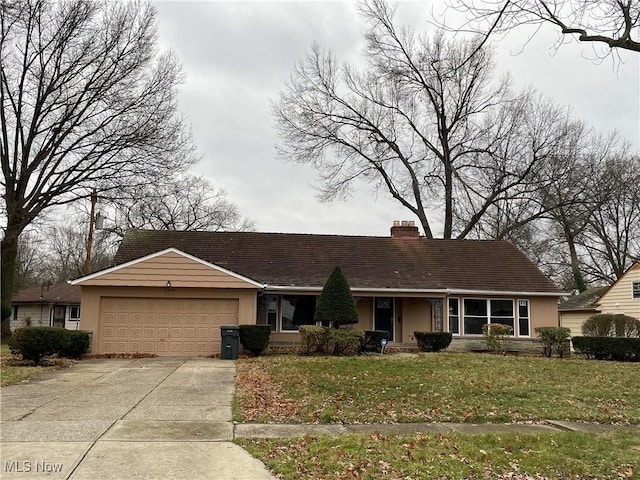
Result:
[[275, 430]]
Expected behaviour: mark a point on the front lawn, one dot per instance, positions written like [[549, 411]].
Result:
[[13, 370], [567, 455], [442, 387]]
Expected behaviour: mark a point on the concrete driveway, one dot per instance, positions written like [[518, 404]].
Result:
[[152, 418]]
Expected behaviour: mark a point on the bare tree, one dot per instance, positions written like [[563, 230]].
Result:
[[85, 103], [425, 120], [610, 23], [183, 203]]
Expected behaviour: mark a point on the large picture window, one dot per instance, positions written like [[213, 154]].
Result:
[[297, 310], [481, 311]]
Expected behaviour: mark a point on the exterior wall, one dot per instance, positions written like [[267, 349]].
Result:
[[91, 296], [544, 312], [365, 313], [416, 316], [39, 315], [619, 298], [179, 270], [574, 320]]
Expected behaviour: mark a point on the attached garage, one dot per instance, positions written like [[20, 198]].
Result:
[[164, 326], [167, 304]]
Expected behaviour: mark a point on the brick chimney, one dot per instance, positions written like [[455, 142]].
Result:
[[404, 229]]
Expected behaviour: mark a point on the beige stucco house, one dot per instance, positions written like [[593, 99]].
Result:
[[168, 293], [623, 297], [46, 306]]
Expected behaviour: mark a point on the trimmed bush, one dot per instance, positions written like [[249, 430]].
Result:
[[495, 334], [255, 338], [335, 304], [314, 339], [372, 340], [554, 339], [77, 344], [433, 341], [35, 343], [608, 325], [346, 341], [623, 349]]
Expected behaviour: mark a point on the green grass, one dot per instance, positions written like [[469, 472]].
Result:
[[567, 455], [440, 387], [13, 370]]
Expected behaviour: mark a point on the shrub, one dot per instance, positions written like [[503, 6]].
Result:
[[433, 341], [608, 325], [372, 340], [346, 341], [335, 303], [608, 348], [314, 338], [554, 339], [255, 338], [495, 334], [35, 343], [76, 345]]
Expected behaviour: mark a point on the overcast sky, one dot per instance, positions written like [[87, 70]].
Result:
[[237, 56]]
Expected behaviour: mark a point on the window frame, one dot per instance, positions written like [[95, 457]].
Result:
[[635, 290], [516, 319], [528, 317], [71, 317], [449, 316]]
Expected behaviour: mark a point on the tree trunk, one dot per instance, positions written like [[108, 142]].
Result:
[[9, 247], [578, 278]]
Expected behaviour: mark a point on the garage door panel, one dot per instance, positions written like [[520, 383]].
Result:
[[164, 326]]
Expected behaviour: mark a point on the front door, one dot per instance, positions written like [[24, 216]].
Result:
[[58, 315], [383, 315]]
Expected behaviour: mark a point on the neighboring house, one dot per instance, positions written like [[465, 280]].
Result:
[[169, 292], [578, 308], [623, 297], [46, 305]]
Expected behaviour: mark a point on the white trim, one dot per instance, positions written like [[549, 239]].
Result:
[[443, 292], [80, 280]]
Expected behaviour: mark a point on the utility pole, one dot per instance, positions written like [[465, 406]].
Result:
[[92, 219]]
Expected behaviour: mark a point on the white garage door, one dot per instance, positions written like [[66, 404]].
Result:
[[178, 327]]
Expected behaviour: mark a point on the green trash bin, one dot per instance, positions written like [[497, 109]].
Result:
[[230, 340]]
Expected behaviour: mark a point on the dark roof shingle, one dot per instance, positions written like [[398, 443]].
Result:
[[306, 260], [58, 293], [584, 301]]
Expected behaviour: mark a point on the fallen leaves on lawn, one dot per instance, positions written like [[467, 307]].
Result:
[[260, 398]]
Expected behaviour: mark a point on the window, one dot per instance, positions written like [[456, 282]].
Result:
[[636, 289], [523, 318], [480, 311], [74, 313], [502, 312], [475, 315], [296, 310], [268, 311], [454, 316]]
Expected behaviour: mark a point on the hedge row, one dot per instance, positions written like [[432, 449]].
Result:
[[332, 341], [608, 348], [433, 341], [35, 343]]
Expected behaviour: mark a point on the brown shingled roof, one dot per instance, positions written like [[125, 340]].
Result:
[[585, 301], [305, 260], [59, 293]]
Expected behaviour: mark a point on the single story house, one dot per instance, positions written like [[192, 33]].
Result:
[[623, 297], [46, 306], [169, 292]]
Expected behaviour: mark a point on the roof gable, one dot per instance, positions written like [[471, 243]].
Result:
[[305, 261], [632, 274], [169, 267]]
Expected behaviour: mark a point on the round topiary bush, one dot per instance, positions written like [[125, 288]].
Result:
[[255, 338], [609, 325]]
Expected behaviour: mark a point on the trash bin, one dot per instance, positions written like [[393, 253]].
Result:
[[230, 339]]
